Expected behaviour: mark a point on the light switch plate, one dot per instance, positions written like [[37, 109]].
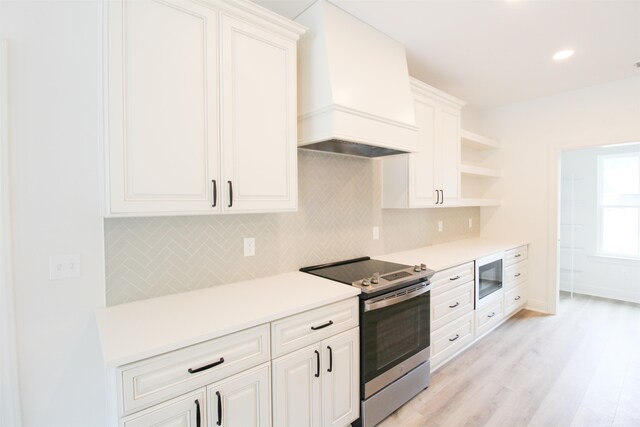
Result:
[[439, 225], [64, 267], [376, 233]]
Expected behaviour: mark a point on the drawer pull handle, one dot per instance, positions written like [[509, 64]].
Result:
[[493, 313], [516, 275], [198, 418], [317, 364], [454, 278], [517, 255], [454, 338], [204, 368], [455, 305], [330, 359], [315, 328], [517, 298], [219, 422]]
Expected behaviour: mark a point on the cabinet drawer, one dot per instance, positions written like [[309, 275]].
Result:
[[515, 255], [515, 298], [489, 316], [166, 376], [448, 279], [451, 339], [515, 274], [300, 330], [451, 305]]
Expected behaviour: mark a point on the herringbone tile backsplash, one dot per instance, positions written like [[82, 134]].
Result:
[[339, 203]]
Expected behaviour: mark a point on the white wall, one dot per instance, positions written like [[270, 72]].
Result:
[[55, 106], [581, 268], [532, 135]]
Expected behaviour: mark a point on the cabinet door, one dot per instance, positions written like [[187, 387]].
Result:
[[296, 388], [448, 135], [422, 185], [341, 379], [259, 119], [242, 400], [162, 143], [184, 411]]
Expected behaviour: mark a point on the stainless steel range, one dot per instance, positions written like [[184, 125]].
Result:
[[394, 330]]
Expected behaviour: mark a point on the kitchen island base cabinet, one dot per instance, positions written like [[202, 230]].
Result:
[[318, 385]]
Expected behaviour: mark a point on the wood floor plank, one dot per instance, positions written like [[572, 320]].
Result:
[[579, 368]]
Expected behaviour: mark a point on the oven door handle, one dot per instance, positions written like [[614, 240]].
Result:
[[370, 305]]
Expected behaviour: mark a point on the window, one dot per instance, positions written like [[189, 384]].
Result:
[[619, 205]]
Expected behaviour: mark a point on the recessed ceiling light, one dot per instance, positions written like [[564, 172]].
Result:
[[563, 54]]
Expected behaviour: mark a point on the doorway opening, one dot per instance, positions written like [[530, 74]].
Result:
[[599, 222]]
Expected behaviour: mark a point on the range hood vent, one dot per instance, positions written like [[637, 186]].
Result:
[[354, 93]]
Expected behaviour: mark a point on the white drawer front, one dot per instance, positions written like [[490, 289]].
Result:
[[448, 279], [451, 305], [515, 255], [300, 330], [178, 412], [166, 376], [515, 274], [489, 316], [515, 298], [451, 339]]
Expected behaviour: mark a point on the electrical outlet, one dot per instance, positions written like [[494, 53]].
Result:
[[376, 233], [470, 222], [249, 246], [439, 226], [64, 267]]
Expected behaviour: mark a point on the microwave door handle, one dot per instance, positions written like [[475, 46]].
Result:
[[371, 306]]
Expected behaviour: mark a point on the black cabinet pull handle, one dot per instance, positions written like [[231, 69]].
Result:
[[230, 193], [517, 298], [330, 359], [493, 313], [455, 305], [441, 196], [219, 422], [454, 338], [329, 323], [198, 418], [517, 255], [204, 368], [437, 197], [516, 275], [454, 278], [317, 363], [215, 193]]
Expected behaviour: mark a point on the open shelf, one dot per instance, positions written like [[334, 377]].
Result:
[[480, 202], [476, 170], [478, 142]]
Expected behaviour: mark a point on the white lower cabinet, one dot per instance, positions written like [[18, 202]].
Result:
[[318, 385], [184, 411], [242, 400]]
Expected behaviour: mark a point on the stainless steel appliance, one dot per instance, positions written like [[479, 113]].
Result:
[[394, 331], [488, 276]]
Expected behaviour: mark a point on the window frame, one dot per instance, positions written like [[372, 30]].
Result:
[[601, 206]]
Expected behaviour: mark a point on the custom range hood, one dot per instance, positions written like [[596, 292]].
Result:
[[354, 95]]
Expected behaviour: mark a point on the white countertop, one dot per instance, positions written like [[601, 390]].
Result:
[[141, 329], [440, 257]]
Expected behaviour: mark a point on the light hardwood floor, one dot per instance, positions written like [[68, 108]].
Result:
[[579, 368]]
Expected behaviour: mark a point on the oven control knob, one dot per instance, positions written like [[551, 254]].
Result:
[[423, 267], [375, 279], [365, 282], [416, 268]]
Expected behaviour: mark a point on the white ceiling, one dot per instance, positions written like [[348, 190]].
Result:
[[496, 52]]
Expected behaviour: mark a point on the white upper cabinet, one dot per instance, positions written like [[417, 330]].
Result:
[[201, 112], [431, 176]]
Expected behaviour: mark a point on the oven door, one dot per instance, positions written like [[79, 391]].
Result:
[[395, 335]]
